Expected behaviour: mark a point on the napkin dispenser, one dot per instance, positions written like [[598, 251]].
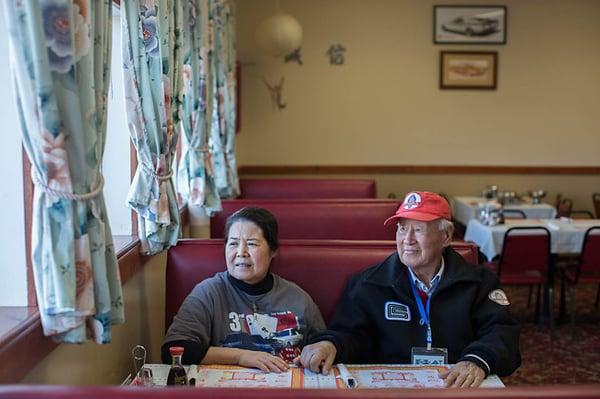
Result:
[[490, 214]]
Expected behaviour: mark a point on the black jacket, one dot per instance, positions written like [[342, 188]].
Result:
[[463, 318]]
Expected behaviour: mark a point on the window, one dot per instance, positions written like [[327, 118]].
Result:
[[116, 170], [13, 284], [116, 165]]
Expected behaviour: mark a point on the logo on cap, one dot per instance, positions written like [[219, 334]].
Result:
[[412, 201]]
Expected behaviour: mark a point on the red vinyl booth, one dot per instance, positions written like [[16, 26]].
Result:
[[319, 219], [321, 267], [74, 392], [306, 188]]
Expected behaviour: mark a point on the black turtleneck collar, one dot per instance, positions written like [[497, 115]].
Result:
[[262, 287]]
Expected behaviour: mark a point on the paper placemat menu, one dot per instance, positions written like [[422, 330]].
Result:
[[365, 376]]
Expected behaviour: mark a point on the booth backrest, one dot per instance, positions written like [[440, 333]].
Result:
[[306, 188], [319, 219], [105, 392], [320, 267]]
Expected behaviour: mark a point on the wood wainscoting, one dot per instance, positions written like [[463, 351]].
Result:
[[416, 169]]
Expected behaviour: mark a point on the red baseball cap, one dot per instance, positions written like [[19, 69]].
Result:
[[422, 205]]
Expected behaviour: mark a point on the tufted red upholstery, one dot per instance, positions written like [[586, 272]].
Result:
[[74, 392], [77, 392], [321, 267], [306, 188], [335, 219]]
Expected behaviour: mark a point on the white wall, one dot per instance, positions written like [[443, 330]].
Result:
[[13, 284], [384, 107]]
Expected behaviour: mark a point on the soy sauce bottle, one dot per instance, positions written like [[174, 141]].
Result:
[[177, 374]]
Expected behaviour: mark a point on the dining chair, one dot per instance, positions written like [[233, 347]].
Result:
[[518, 214], [585, 271], [564, 208], [596, 201], [525, 260]]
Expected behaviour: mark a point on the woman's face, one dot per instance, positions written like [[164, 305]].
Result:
[[247, 253]]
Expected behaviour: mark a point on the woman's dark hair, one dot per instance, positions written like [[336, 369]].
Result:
[[260, 217]]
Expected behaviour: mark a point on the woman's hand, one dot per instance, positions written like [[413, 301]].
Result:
[[262, 360]]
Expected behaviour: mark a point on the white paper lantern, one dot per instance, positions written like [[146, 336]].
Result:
[[279, 35]]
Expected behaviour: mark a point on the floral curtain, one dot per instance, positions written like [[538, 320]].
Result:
[[152, 57], [60, 56], [223, 94], [195, 181]]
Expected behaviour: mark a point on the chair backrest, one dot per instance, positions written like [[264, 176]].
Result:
[[323, 219], [596, 201], [564, 208], [307, 188], [525, 249], [590, 252], [513, 214]]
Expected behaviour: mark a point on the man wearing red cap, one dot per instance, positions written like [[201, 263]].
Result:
[[423, 305]]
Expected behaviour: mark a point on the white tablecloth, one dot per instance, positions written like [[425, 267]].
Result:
[[464, 209], [565, 236]]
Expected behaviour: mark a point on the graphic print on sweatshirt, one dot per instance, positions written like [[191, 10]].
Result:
[[277, 333]]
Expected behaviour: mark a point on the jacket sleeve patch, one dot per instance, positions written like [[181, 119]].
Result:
[[499, 296]]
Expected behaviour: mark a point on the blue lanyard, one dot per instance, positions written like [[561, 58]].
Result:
[[423, 311]]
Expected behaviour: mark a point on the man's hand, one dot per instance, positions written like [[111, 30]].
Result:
[[317, 357], [262, 360], [464, 374]]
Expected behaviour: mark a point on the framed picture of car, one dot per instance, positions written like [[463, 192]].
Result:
[[469, 24], [468, 70]]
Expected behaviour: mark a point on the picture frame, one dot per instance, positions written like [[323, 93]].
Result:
[[457, 24], [474, 70]]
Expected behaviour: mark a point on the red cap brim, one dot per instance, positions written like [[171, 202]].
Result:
[[415, 215]]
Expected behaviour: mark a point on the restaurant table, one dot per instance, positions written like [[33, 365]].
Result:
[[365, 375], [464, 208], [566, 235]]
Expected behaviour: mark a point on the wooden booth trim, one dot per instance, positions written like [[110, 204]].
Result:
[[416, 169]]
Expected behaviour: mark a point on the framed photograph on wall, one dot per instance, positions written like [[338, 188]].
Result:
[[468, 70], [469, 24]]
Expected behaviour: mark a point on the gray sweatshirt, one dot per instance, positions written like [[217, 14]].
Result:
[[216, 313]]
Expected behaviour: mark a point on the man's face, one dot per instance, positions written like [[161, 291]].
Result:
[[420, 244]]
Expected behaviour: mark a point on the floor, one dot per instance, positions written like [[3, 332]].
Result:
[[566, 359]]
